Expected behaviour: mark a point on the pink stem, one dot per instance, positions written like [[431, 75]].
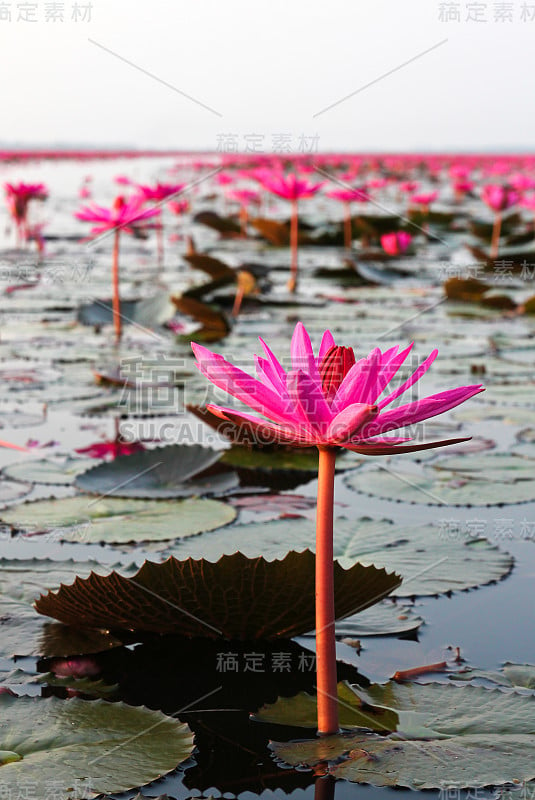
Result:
[[116, 301], [294, 241], [496, 230], [348, 231], [325, 633]]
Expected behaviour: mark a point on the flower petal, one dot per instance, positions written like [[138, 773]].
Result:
[[348, 421], [387, 450], [266, 432], [308, 397], [302, 354], [420, 410], [416, 375]]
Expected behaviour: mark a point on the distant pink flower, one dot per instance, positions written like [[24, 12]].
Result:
[[463, 186], [330, 400], [122, 180], [290, 187], [244, 196], [178, 206], [223, 178], [110, 450], [18, 197], [408, 186], [123, 215], [396, 243], [355, 195], [159, 192], [424, 199], [498, 197]]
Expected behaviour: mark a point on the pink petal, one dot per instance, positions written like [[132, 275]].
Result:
[[416, 375], [386, 450], [242, 386], [268, 432], [348, 421], [420, 410], [308, 397], [327, 341], [302, 353]]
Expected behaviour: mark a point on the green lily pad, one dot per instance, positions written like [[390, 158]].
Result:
[[82, 749], [236, 597], [430, 562], [12, 490], [445, 735], [516, 676], [161, 473], [23, 631], [117, 521], [383, 619], [54, 473], [487, 479]]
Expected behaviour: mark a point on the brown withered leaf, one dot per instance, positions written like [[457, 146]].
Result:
[[213, 267], [215, 324], [278, 233], [235, 597]]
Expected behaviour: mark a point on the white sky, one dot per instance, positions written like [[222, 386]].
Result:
[[267, 68]]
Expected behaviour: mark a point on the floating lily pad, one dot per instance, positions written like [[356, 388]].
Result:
[[22, 630], [85, 748], [476, 480], [51, 472], [383, 619], [117, 521], [444, 735], [12, 490], [161, 473], [235, 597], [429, 562], [515, 676]]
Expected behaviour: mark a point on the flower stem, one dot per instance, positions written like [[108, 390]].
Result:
[[496, 230], [294, 241], [116, 301], [325, 634], [348, 228]]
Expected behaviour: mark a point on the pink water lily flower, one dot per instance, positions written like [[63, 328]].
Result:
[[332, 400], [123, 215], [396, 243], [290, 187], [498, 197], [424, 199], [18, 197], [348, 196], [160, 191]]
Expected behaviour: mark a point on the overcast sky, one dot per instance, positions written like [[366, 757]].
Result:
[[261, 74]]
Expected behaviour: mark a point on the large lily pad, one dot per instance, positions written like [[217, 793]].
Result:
[[444, 735], [78, 749], [515, 676], [383, 619], [161, 473], [236, 597], [429, 562], [117, 521], [22, 630], [488, 479]]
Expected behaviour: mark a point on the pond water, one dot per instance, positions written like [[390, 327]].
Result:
[[50, 396]]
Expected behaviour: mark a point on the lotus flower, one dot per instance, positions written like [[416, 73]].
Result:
[[18, 197], [291, 188], [123, 215], [498, 198], [396, 243], [330, 401], [424, 200]]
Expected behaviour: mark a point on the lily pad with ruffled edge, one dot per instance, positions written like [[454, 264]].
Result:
[[490, 479], [434, 735], [84, 748], [235, 597], [430, 560], [23, 631], [117, 521], [164, 472], [511, 676], [384, 619], [53, 472]]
